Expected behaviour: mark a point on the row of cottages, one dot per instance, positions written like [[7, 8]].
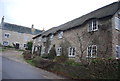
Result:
[[16, 35], [96, 34]]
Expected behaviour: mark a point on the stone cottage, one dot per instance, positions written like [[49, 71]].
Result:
[[12, 34], [96, 34]]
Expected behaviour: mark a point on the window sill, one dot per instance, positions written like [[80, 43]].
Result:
[[71, 56]]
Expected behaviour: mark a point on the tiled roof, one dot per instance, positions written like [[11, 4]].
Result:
[[105, 11], [20, 29]]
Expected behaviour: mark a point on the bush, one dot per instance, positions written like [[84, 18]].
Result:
[[46, 56], [29, 45], [27, 55], [0, 44], [10, 47], [52, 53], [72, 63], [60, 59], [43, 63]]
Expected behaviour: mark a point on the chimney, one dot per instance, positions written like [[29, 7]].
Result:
[[32, 26], [43, 29], [2, 19], [32, 29], [119, 4]]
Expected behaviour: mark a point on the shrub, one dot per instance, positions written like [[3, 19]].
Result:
[[42, 63], [52, 53], [72, 63], [0, 44], [46, 56], [29, 45], [60, 59], [10, 46], [27, 55]]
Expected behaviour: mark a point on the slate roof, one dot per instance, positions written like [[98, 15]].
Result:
[[18, 28], [105, 11]]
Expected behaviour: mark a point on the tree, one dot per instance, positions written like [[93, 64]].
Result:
[[83, 46]]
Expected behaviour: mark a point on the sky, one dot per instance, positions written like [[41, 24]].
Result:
[[47, 13]]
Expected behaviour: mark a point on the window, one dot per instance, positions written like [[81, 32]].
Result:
[[71, 52], [36, 48], [43, 50], [7, 35], [117, 23], [5, 43], [51, 37], [60, 34], [117, 51], [44, 39], [92, 51], [25, 45], [40, 38], [93, 25], [34, 41], [59, 51]]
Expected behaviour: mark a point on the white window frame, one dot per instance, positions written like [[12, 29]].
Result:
[[117, 23], [40, 39], [34, 41], [91, 51], [60, 34], [59, 51], [24, 45], [51, 37], [44, 39], [36, 48], [7, 44], [43, 50], [91, 25], [71, 52], [117, 48], [7, 36]]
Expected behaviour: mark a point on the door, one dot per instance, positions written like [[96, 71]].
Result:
[[17, 45]]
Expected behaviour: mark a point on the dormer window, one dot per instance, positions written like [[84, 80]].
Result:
[[40, 38], [34, 41], [60, 34], [117, 23], [93, 25], [44, 39], [51, 37]]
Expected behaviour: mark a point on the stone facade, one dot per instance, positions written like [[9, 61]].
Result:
[[11, 34], [79, 41]]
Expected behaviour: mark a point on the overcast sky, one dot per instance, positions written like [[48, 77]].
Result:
[[47, 13]]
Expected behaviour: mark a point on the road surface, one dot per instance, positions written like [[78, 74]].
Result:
[[14, 69]]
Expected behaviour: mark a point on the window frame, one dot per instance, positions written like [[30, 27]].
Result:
[[6, 34], [60, 34], [91, 51], [117, 23], [70, 52], [51, 37], [117, 55], [25, 45], [40, 39], [59, 51], [7, 43], [92, 25]]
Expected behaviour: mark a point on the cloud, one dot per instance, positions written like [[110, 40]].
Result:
[[47, 13]]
